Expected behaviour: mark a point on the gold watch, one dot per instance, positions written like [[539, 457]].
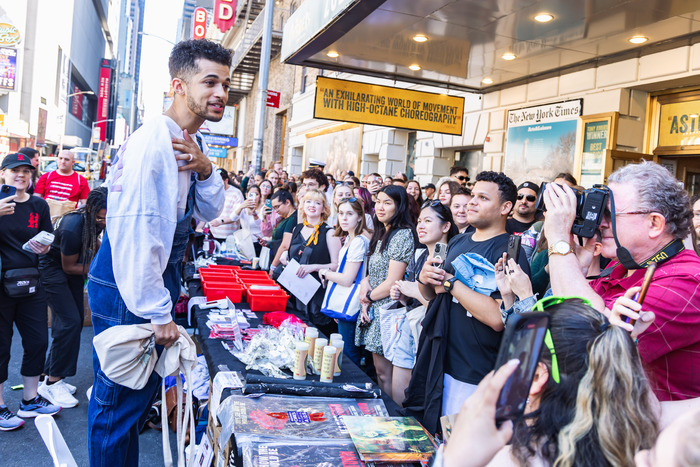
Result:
[[560, 248]]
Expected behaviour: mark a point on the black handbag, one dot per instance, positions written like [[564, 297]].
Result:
[[19, 283]]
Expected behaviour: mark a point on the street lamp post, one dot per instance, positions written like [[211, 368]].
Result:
[[141, 33], [87, 93]]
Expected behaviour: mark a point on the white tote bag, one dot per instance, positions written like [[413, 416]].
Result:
[[343, 302]]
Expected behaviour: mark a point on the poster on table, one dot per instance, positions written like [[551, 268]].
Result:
[[541, 141]]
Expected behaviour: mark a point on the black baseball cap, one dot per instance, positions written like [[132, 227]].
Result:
[[429, 185], [17, 159], [31, 152], [531, 185]]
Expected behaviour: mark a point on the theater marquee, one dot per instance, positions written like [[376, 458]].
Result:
[[350, 101]]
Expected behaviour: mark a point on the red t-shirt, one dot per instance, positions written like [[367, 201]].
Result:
[[53, 185], [670, 348]]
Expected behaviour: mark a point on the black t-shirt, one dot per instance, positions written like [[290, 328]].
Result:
[[29, 218], [472, 346], [516, 227], [69, 241]]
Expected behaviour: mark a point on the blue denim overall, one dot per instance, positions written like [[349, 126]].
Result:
[[116, 413]]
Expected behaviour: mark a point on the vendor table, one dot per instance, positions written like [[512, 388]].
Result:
[[220, 359]]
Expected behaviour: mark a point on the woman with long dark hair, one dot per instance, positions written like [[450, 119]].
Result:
[[435, 225], [63, 272], [392, 247], [366, 197]]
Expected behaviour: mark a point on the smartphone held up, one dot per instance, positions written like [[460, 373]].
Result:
[[523, 339]]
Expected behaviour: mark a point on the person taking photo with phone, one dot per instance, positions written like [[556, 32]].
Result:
[[462, 327], [22, 296], [435, 229]]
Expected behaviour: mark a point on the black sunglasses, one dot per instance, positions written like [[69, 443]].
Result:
[[437, 204], [530, 198], [350, 200], [462, 178]]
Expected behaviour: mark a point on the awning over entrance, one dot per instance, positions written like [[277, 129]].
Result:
[[481, 45]]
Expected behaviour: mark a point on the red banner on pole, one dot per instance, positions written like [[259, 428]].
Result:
[[103, 99], [273, 99], [224, 14], [199, 24]]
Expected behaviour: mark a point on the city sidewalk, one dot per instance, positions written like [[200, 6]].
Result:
[[24, 447]]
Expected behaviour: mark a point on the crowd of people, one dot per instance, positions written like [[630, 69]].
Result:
[[613, 377], [391, 255]]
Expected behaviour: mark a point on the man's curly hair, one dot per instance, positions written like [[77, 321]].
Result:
[[183, 58]]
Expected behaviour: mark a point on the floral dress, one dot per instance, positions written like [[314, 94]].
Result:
[[400, 248]]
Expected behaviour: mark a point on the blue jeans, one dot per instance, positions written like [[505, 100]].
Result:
[[347, 330], [115, 412]]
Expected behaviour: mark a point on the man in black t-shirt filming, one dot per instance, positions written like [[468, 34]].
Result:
[[524, 210], [474, 326]]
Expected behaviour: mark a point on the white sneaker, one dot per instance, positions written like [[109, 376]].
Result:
[[72, 389], [57, 394]]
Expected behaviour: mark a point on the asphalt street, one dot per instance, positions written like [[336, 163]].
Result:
[[24, 446]]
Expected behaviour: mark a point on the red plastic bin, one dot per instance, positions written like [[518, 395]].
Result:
[[267, 300], [252, 274], [217, 276], [224, 267], [219, 290]]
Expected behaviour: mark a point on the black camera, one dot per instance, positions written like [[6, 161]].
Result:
[[590, 205]]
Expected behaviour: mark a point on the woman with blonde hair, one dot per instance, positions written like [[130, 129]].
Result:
[[314, 246]]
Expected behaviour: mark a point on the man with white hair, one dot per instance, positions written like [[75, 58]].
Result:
[[63, 184], [647, 218]]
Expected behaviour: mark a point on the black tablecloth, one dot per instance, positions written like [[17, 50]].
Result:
[[220, 359]]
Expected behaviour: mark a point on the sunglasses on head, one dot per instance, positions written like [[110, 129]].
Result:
[[350, 200], [530, 198], [436, 205], [542, 305]]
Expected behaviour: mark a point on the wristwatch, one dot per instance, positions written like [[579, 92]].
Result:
[[448, 284], [561, 248], [368, 296]]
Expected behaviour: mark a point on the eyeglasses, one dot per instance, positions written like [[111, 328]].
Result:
[[530, 198], [606, 213], [541, 305], [100, 219]]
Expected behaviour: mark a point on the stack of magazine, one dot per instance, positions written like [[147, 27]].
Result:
[[320, 431]]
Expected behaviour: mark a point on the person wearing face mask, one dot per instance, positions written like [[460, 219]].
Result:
[[314, 246], [351, 226], [392, 247], [458, 207], [22, 216], [435, 225]]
